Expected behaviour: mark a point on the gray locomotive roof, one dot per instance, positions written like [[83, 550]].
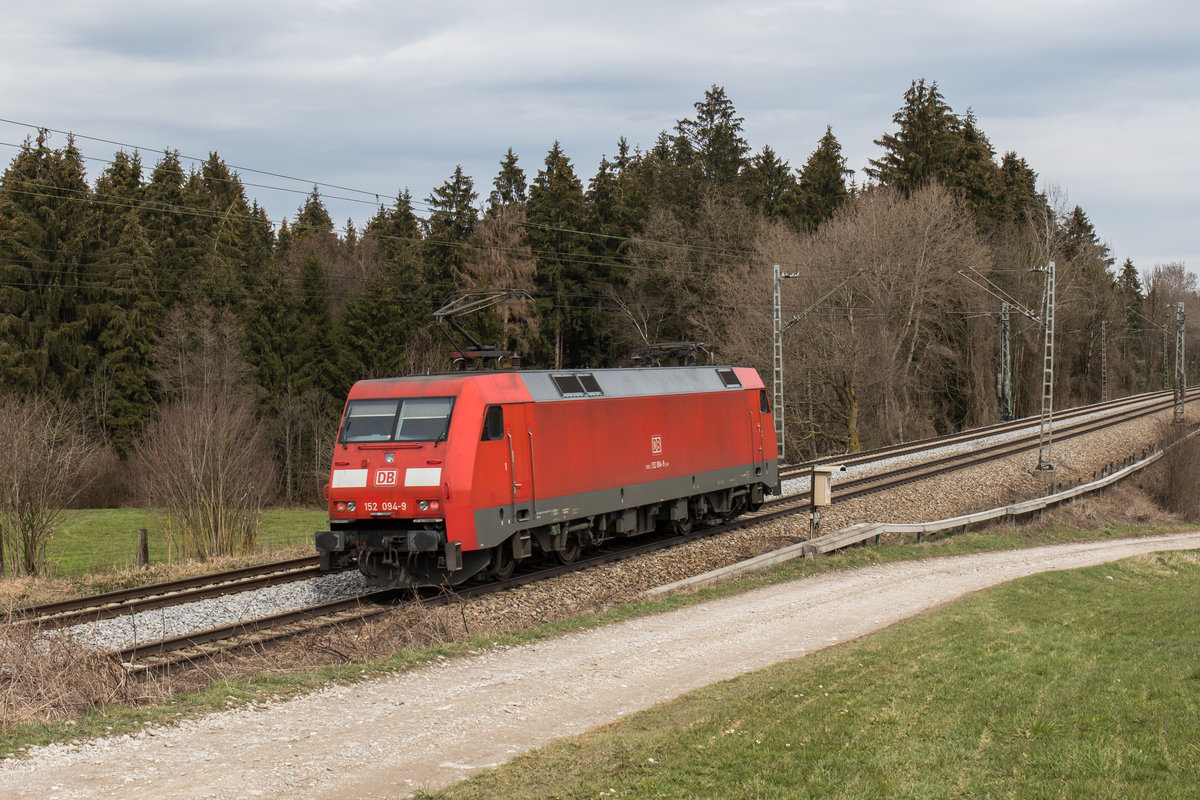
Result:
[[633, 382], [544, 385]]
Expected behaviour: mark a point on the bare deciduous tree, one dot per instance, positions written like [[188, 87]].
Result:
[[504, 261], [205, 461], [895, 347], [198, 352], [46, 453], [682, 276]]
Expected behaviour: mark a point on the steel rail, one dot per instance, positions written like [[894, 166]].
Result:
[[258, 630], [161, 595]]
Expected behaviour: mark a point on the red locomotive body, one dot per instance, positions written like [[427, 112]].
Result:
[[436, 479]]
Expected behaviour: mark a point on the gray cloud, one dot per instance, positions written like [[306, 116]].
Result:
[[1098, 96]]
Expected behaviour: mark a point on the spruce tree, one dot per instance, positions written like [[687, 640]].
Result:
[[712, 143], [380, 320], [221, 222], [1019, 197], [567, 276], [320, 361], [607, 214], [1081, 244], [1130, 285], [118, 191], [1132, 299], [934, 144], [168, 225], [770, 187], [396, 230], [822, 187], [133, 314], [510, 185], [273, 326], [313, 218], [448, 231], [924, 145], [45, 309]]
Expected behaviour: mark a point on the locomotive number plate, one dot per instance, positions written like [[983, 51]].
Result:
[[387, 506]]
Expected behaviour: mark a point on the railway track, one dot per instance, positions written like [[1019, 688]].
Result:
[[1158, 400], [260, 633], [263, 632], [163, 595]]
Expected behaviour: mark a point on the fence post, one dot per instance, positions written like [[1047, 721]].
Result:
[[143, 553]]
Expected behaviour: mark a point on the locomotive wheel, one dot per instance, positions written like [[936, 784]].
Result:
[[503, 564], [683, 526], [570, 552]]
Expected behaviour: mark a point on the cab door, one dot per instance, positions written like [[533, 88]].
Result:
[[518, 433], [757, 407]]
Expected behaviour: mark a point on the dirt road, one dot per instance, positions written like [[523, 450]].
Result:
[[432, 726]]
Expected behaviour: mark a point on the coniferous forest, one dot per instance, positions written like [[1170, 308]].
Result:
[[149, 308]]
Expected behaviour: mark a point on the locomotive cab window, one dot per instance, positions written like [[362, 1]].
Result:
[[413, 419], [764, 405], [493, 424], [423, 419], [369, 420]]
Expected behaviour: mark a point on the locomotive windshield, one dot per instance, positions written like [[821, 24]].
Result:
[[412, 419]]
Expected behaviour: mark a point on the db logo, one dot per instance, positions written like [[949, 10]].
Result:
[[385, 477], [655, 445]]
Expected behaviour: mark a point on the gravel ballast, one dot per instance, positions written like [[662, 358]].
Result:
[[119, 633]]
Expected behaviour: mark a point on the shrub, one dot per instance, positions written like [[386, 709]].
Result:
[[1177, 473], [42, 471], [205, 462]]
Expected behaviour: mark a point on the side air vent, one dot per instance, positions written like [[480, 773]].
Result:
[[581, 385], [729, 378], [568, 385], [590, 384]]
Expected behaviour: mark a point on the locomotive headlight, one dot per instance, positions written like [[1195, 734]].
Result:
[[389, 458], [429, 505], [423, 505], [350, 506]]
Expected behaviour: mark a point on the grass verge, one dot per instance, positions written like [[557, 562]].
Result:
[[1065, 684], [105, 539]]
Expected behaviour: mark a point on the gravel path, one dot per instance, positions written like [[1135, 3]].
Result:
[[438, 724]]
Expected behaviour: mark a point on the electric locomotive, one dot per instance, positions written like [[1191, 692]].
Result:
[[437, 479]]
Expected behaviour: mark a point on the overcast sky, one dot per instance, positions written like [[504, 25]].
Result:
[[1100, 98]]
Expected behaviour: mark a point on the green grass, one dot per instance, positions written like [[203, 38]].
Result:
[[1065, 684], [98, 540]]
